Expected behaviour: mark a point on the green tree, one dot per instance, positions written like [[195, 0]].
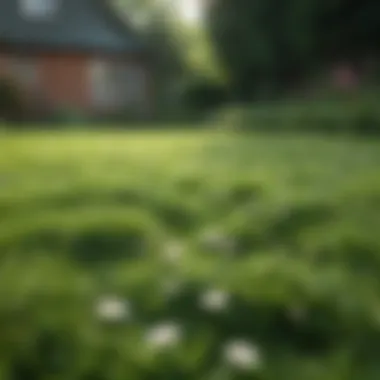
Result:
[[155, 24], [180, 53], [271, 44]]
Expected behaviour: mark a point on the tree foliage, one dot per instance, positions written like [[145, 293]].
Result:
[[180, 54], [277, 42], [155, 24]]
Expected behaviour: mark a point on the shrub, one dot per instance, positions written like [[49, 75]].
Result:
[[345, 117], [365, 120], [68, 116], [11, 105], [201, 95]]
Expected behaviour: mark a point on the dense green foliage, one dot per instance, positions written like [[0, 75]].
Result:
[[185, 72], [11, 104], [286, 227], [355, 116], [203, 95], [268, 46]]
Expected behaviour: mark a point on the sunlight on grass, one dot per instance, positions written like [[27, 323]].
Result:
[[190, 254]]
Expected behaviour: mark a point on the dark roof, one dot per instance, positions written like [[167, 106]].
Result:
[[84, 25]]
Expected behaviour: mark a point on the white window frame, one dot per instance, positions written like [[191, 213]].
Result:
[[100, 83], [38, 9]]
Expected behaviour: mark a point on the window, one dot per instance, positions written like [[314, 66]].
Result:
[[101, 83], [115, 85], [38, 8], [132, 81]]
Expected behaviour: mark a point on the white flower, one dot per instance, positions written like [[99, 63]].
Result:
[[173, 251], [164, 336], [242, 355], [112, 309], [214, 300]]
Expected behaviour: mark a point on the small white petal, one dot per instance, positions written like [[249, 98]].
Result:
[[112, 309], [242, 355], [164, 336], [214, 300], [173, 251]]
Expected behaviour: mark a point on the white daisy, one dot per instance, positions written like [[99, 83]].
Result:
[[243, 355], [112, 309], [214, 300], [164, 336]]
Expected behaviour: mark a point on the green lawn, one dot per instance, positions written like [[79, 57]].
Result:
[[270, 241]]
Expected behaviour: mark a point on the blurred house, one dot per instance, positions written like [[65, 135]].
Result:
[[74, 54]]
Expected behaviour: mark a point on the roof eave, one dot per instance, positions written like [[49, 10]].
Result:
[[38, 48]]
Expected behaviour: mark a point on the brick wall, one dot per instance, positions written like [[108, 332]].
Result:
[[64, 81]]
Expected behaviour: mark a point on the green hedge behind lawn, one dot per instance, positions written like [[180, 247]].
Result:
[[359, 116]]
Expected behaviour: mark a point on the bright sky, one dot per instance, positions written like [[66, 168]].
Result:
[[191, 10]]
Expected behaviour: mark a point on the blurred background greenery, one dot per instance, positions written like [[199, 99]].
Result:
[[189, 255]]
